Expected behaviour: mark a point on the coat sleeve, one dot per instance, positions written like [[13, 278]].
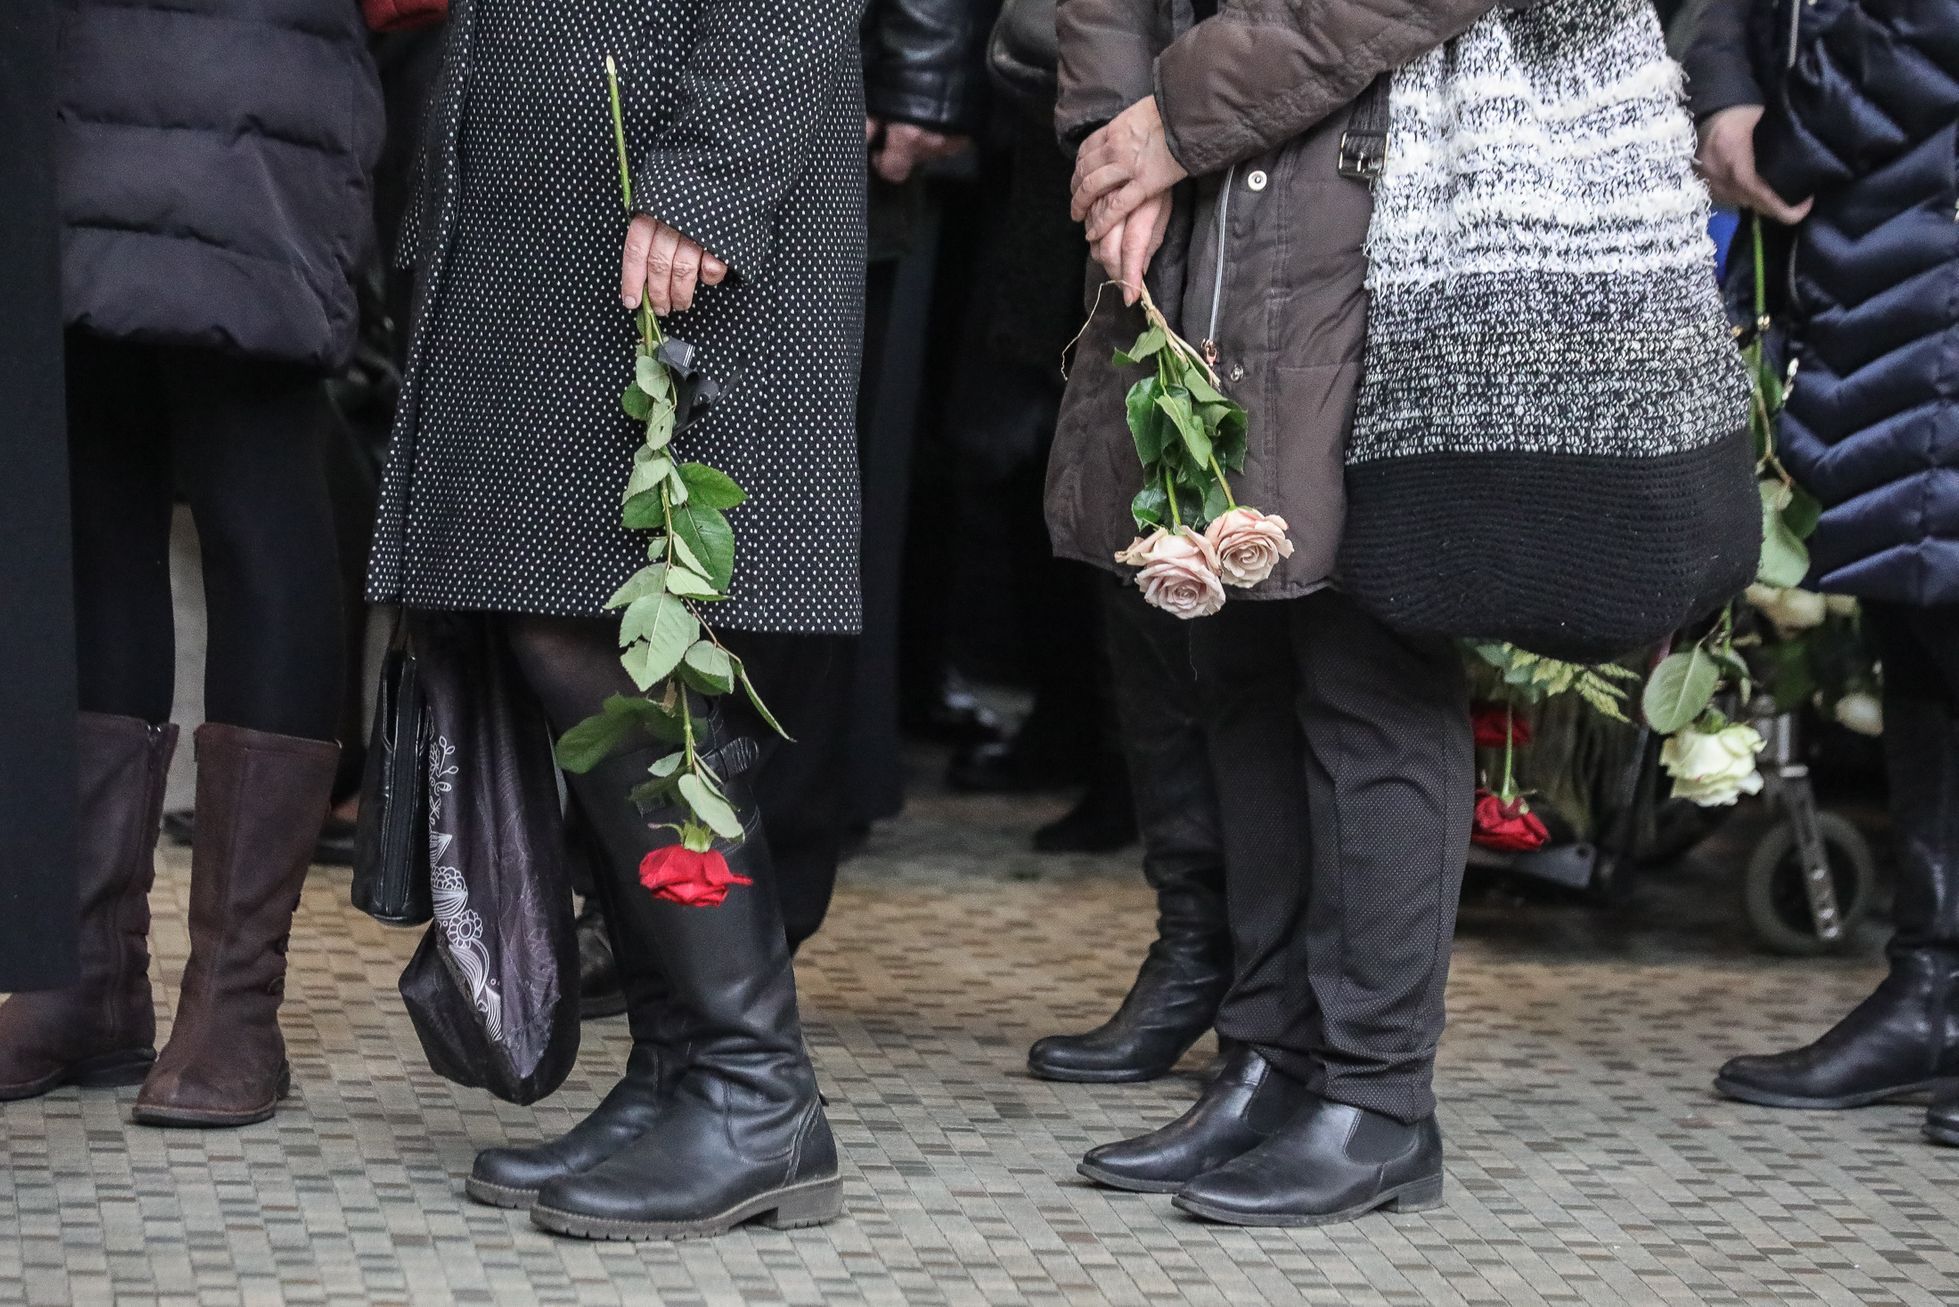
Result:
[[1107, 50], [753, 93], [1264, 71], [925, 63], [1720, 69]]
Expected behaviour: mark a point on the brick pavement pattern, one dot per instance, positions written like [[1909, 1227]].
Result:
[[1589, 1163]]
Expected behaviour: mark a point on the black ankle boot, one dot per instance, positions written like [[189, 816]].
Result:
[[600, 990], [1942, 1121], [742, 1135], [1169, 1008], [1243, 1107], [1331, 1162], [1903, 1039]]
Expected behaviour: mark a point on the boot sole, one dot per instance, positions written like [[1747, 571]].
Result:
[[1116, 1076], [500, 1195], [1746, 1093], [1415, 1196], [793, 1207], [1129, 1184], [193, 1118], [599, 1009], [107, 1071], [1943, 1134]]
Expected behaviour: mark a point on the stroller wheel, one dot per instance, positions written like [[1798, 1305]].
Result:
[[1776, 900]]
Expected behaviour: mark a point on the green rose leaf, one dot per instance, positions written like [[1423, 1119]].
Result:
[[710, 807], [1147, 346], [668, 765], [659, 425], [1216, 504], [1680, 690], [646, 581], [1803, 513], [1175, 404], [637, 403], [649, 471], [708, 668], [1201, 389], [1145, 424], [651, 376], [1151, 507], [710, 487], [595, 739], [646, 511], [1785, 559], [684, 555], [710, 540], [755, 698], [689, 584], [658, 629], [648, 794]]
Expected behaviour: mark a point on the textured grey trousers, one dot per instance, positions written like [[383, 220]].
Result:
[[1346, 782]]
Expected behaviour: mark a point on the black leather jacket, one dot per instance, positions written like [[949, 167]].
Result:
[[925, 62]]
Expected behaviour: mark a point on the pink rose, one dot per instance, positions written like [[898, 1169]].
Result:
[[1180, 572], [1249, 545]]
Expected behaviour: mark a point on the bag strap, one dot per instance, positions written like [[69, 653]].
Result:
[[1364, 145]]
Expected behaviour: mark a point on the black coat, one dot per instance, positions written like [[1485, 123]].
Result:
[[1862, 114], [745, 119], [214, 159], [924, 62]]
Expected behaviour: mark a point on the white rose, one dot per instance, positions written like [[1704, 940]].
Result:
[[1792, 611], [1861, 713], [1713, 769], [1841, 605]]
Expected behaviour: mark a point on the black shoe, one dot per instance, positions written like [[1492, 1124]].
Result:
[[1248, 1101], [511, 1177], [1331, 1162], [1903, 1039], [1102, 822], [1942, 1121], [742, 1135], [601, 991], [1169, 1008]]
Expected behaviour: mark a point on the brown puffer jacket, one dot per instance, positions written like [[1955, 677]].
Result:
[[1263, 255]]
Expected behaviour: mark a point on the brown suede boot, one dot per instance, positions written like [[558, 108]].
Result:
[[260, 801], [102, 1029]]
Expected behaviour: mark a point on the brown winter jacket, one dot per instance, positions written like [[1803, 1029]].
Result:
[[1264, 249]]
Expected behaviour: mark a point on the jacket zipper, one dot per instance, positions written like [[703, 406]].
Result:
[[1210, 345], [1795, 30]]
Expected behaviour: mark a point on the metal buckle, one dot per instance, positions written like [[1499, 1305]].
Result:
[[1362, 155]]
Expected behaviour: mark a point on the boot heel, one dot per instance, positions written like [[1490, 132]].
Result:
[[113, 1070], [1421, 1196], [810, 1204]]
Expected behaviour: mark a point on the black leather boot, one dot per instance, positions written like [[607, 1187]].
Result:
[[1331, 1162], [742, 1134], [1188, 969], [1942, 1121], [1248, 1102], [1903, 1039], [601, 992]]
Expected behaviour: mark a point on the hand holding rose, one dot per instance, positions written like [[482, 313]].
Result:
[[664, 265]]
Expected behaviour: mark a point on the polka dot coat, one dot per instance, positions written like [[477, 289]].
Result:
[[745, 118]]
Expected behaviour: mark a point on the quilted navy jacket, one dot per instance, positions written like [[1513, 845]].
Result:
[[213, 162], [1863, 114]]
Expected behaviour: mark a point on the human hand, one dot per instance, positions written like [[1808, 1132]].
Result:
[[900, 149], [1126, 249], [1120, 167], [1727, 162], [664, 265]]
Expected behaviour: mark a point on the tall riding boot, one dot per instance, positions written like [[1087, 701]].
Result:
[[743, 1133], [512, 1177], [102, 1029], [1904, 1038], [1188, 968], [260, 800]]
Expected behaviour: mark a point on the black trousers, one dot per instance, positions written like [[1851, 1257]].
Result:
[[1345, 779], [244, 441], [572, 665]]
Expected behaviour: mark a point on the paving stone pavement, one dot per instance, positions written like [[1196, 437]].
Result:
[[1589, 1163]]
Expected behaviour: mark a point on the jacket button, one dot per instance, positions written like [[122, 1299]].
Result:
[[1237, 372], [1257, 180]]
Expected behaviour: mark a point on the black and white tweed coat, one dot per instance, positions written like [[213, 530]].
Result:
[[745, 119]]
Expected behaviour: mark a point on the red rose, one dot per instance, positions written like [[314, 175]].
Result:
[[1507, 827], [695, 880], [1492, 720]]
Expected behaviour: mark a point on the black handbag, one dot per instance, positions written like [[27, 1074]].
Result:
[[391, 846], [493, 988], [1023, 52]]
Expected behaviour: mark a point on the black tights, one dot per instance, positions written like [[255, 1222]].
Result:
[[244, 442], [572, 665]]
